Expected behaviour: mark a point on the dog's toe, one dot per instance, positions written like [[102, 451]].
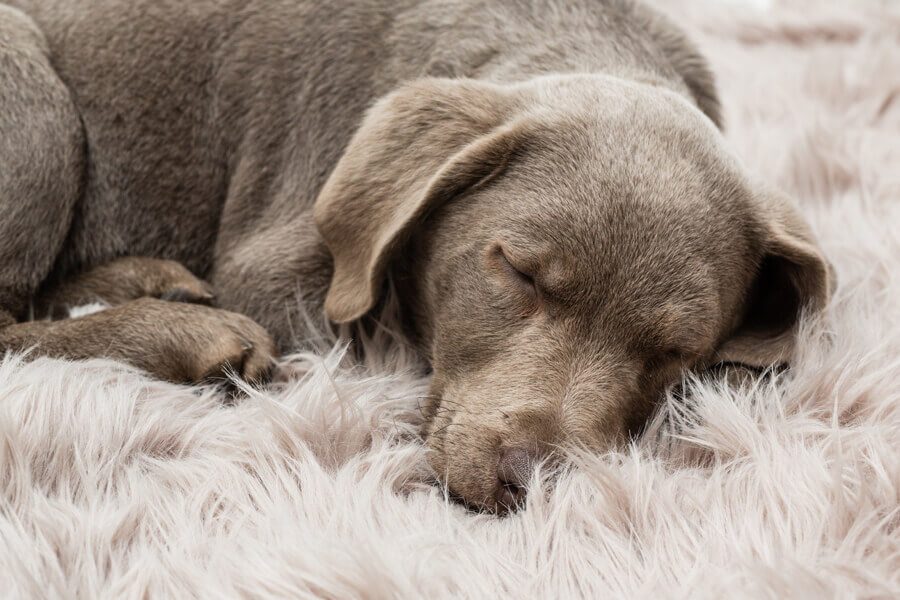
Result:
[[190, 296]]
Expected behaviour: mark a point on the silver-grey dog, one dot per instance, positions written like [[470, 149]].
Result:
[[543, 182]]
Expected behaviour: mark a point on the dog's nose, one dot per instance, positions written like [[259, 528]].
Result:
[[514, 471]]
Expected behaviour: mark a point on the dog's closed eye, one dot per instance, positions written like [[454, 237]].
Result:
[[520, 282]]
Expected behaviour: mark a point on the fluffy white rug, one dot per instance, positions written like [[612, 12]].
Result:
[[112, 485]]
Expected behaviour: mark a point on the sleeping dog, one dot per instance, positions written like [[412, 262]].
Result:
[[543, 184]]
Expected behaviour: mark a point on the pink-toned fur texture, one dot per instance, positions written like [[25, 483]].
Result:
[[113, 485]]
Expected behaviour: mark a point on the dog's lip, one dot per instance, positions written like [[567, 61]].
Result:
[[509, 499], [503, 500], [498, 508]]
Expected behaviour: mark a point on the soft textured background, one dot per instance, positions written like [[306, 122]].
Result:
[[112, 485]]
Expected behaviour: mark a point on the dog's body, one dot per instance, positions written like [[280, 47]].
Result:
[[209, 127], [233, 137]]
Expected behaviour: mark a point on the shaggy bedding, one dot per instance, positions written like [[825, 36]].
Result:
[[114, 485]]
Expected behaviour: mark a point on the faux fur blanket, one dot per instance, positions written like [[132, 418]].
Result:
[[113, 485]]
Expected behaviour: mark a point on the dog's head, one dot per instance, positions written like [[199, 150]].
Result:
[[565, 248]]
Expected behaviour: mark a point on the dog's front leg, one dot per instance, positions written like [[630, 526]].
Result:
[[173, 341], [277, 275], [121, 280]]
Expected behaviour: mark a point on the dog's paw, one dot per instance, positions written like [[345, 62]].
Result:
[[195, 292], [122, 280], [136, 277], [203, 344], [242, 349], [173, 341]]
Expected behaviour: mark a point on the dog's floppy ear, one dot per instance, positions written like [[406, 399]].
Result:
[[415, 148], [792, 275]]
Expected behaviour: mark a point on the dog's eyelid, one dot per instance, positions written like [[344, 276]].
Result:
[[683, 354], [518, 269], [526, 281]]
